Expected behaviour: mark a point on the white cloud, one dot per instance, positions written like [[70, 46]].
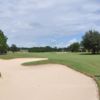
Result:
[[71, 42], [34, 19]]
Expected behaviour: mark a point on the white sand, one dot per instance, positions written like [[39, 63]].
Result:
[[44, 82]]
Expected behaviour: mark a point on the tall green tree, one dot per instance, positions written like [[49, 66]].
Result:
[[14, 48], [74, 47], [3, 43], [91, 41]]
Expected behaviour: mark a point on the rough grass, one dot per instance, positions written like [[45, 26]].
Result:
[[11, 55], [0, 75]]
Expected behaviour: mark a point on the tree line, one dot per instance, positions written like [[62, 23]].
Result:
[[46, 49], [90, 42]]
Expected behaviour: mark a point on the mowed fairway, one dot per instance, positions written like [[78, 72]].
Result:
[[88, 64], [44, 82]]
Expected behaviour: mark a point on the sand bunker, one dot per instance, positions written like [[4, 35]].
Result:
[[44, 82]]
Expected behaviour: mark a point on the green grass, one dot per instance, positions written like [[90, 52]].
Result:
[[11, 55], [87, 64]]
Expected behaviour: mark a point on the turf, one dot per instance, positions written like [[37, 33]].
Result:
[[85, 63]]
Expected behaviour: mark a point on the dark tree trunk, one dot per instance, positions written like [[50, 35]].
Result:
[[93, 51]]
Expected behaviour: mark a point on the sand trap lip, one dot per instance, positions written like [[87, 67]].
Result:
[[44, 82]]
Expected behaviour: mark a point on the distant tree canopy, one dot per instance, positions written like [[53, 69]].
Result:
[[74, 47], [46, 49], [14, 48], [91, 41], [3, 43]]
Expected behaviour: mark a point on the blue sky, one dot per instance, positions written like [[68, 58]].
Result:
[[48, 22]]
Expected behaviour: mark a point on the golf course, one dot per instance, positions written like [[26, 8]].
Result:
[[54, 67], [50, 50]]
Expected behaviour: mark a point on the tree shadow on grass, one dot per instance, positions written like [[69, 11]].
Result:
[[89, 53]]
